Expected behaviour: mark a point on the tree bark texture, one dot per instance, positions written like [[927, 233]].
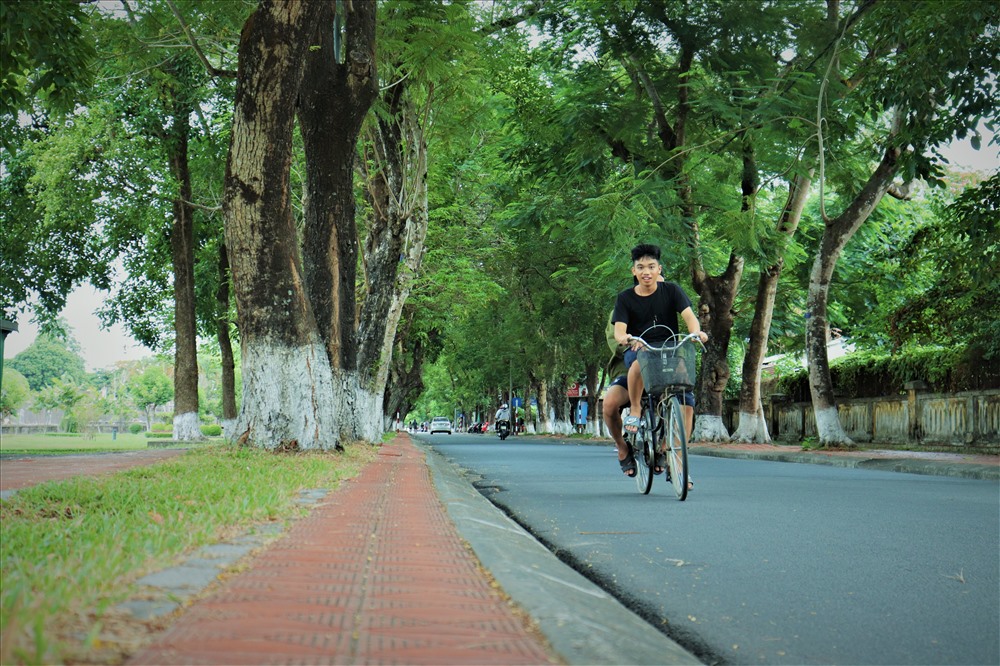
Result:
[[836, 234], [542, 389], [287, 379], [717, 295], [562, 421], [753, 425], [186, 422], [395, 245], [336, 93], [405, 380]]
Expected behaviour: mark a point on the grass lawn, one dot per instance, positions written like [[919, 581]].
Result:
[[73, 443], [71, 550]]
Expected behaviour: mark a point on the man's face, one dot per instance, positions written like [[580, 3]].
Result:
[[646, 270]]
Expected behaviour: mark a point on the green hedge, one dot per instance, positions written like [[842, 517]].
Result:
[[867, 374], [159, 435], [211, 430]]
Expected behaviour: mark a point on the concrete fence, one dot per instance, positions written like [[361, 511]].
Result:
[[963, 421]]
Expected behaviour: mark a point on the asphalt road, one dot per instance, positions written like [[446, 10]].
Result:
[[767, 562]]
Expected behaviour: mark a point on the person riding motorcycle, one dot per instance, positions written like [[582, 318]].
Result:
[[502, 419]]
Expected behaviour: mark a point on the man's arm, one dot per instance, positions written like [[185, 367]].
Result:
[[692, 323], [621, 333]]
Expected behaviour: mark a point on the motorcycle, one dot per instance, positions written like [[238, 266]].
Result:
[[503, 429]]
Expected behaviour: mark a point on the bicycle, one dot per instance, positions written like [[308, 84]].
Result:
[[665, 370]]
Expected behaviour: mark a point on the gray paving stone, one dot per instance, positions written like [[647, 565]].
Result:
[[148, 610], [182, 579]]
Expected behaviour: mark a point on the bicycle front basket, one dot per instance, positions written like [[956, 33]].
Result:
[[671, 366]]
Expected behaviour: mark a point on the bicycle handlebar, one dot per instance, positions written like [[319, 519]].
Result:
[[682, 340]]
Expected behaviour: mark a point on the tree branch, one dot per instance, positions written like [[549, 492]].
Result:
[[214, 71], [901, 192], [512, 20]]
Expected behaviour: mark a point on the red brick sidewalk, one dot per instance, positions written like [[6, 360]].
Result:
[[376, 574]]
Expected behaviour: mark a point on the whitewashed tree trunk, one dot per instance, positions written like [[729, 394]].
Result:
[[836, 233], [752, 428], [287, 379], [182, 242], [559, 426], [288, 396], [229, 429], [339, 85], [709, 428], [360, 416], [187, 427], [394, 248], [543, 407], [829, 429]]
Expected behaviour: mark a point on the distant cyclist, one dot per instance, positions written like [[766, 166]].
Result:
[[650, 302]]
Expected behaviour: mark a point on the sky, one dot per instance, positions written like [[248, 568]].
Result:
[[100, 348], [103, 348]]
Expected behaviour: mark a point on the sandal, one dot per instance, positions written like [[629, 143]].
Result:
[[690, 480], [632, 422], [628, 465], [660, 462]]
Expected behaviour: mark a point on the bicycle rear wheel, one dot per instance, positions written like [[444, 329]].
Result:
[[642, 450], [677, 458]]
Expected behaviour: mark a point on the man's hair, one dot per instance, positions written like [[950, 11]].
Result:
[[645, 250]]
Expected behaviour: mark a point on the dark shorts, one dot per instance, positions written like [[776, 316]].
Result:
[[685, 397]]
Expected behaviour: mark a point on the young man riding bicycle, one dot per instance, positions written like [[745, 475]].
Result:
[[650, 302]]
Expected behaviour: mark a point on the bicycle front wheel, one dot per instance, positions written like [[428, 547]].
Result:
[[677, 457], [642, 449]]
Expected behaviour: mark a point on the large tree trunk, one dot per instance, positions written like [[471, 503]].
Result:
[[228, 362], [186, 421], [288, 392], [715, 311], [339, 85], [717, 299], [752, 424], [562, 421], [394, 248], [835, 236], [405, 381], [543, 406]]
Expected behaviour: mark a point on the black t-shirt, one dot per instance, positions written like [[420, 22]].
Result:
[[661, 307]]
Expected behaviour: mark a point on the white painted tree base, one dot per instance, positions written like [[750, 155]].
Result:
[[359, 410], [288, 397], [752, 429], [228, 429], [829, 428], [709, 428], [187, 427], [561, 427]]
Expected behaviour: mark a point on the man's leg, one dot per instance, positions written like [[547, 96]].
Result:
[[688, 412], [616, 398], [635, 387]]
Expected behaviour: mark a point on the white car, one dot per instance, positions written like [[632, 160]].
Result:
[[440, 424]]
